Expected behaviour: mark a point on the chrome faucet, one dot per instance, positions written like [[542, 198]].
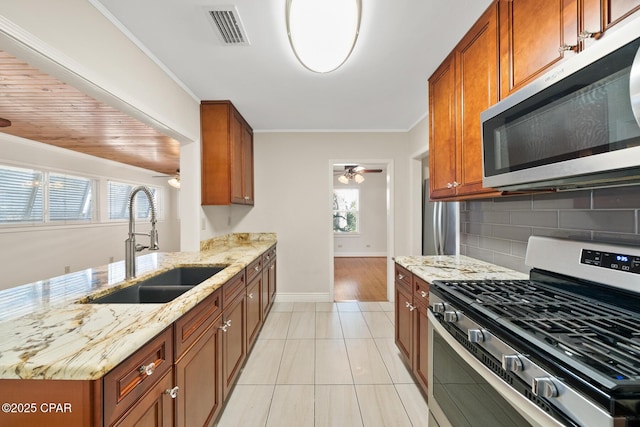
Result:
[[130, 244]]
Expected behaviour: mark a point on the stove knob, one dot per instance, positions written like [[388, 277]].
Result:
[[452, 316], [439, 307], [544, 387], [476, 335], [512, 363]]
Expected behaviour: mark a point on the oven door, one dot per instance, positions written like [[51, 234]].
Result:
[[465, 393]]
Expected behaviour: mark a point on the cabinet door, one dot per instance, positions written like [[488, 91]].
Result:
[[272, 279], [254, 309], [477, 74], [532, 33], [247, 165], [421, 344], [600, 15], [234, 343], [403, 321], [237, 195], [442, 131], [199, 378], [154, 409]]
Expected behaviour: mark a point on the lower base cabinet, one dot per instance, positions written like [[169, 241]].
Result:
[[412, 323], [179, 378]]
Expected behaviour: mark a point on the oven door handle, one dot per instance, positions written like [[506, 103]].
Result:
[[533, 414]]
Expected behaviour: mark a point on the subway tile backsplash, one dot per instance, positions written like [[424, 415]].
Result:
[[497, 230]]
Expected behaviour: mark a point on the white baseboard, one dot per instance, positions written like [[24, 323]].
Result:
[[359, 254], [302, 297]]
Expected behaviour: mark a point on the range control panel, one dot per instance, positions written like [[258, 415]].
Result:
[[610, 260]]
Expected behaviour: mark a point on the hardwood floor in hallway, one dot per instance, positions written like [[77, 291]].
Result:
[[360, 278]]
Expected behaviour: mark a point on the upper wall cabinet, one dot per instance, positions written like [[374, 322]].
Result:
[[535, 35], [227, 155], [464, 85]]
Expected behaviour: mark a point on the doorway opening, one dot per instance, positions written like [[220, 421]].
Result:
[[361, 218]]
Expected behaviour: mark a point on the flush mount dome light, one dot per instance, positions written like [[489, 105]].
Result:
[[323, 33]]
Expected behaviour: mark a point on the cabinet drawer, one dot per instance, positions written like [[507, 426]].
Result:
[[233, 288], [403, 277], [254, 269], [128, 381], [420, 291], [193, 324], [268, 256]]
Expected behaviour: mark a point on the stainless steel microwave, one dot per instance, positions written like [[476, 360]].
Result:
[[578, 126]]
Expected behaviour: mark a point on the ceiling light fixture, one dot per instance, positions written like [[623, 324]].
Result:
[[352, 173], [323, 33], [174, 181]]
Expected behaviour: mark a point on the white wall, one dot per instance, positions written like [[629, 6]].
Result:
[[418, 138], [371, 240], [293, 195], [36, 252]]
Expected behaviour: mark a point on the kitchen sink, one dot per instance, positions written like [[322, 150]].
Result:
[[161, 288]]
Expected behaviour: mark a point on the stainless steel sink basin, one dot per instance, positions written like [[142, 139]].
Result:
[[161, 288]]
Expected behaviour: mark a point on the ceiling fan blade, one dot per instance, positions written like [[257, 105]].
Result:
[[370, 171]]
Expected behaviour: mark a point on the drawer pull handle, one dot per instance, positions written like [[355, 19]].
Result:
[[250, 295], [424, 294], [409, 306], [148, 369], [400, 277], [256, 268], [225, 326], [172, 392], [567, 47]]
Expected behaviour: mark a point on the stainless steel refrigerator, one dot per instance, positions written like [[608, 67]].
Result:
[[440, 225]]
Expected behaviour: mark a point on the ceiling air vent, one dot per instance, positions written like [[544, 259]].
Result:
[[227, 20]]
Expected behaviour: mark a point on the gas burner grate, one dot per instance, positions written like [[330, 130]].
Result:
[[601, 336]]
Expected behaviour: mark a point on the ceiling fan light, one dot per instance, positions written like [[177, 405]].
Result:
[[322, 33], [174, 182], [343, 179], [359, 178]]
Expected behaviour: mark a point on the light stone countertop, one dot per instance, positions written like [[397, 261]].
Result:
[[47, 332], [455, 267]]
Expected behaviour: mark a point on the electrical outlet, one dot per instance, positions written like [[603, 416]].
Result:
[[111, 259], [67, 269], [368, 246]]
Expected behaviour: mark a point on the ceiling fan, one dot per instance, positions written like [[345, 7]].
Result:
[[354, 172], [174, 180]]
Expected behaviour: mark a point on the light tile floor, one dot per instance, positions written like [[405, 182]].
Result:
[[326, 364]]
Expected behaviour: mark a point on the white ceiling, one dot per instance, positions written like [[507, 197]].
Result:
[[383, 86]]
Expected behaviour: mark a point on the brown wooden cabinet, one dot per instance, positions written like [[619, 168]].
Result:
[[412, 323], [464, 85], [154, 409], [234, 332], [254, 308], [268, 280], [227, 155], [403, 313], [198, 367], [535, 36], [420, 361]]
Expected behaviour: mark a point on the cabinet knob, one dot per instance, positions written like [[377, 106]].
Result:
[[410, 306], [400, 276], [246, 197], [256, 268], [584, 35], [173, 392], [250, 295], [453, 184], [148, 369], [424, 294], [567, 47], [225, 326]]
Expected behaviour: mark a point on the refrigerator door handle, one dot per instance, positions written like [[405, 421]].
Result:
[[436, 234], [443, 228]]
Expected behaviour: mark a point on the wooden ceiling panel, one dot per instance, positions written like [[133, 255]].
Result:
[[44, 109]]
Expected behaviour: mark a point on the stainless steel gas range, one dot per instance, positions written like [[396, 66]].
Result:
[[559, 349]]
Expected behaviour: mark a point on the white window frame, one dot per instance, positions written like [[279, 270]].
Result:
[[159, 198]]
